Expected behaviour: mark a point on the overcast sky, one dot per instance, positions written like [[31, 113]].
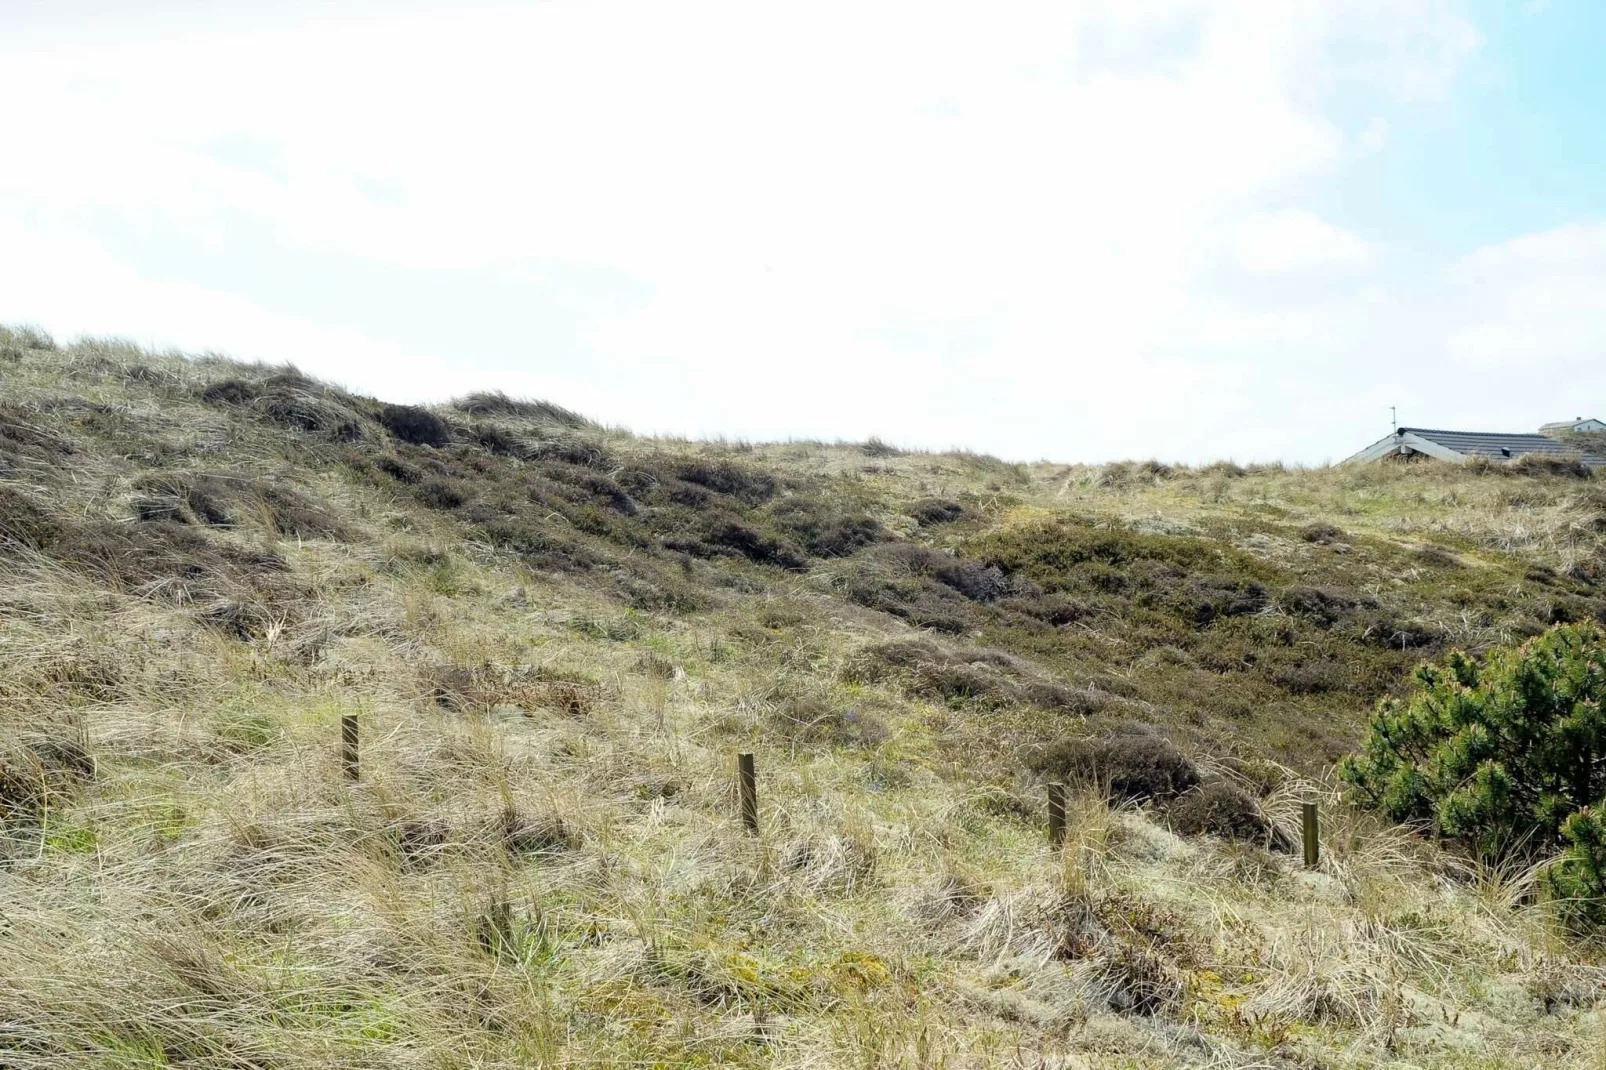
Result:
[[1187, 229]]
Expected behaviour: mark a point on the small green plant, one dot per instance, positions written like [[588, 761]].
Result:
[[240, 732], [1506, 755]]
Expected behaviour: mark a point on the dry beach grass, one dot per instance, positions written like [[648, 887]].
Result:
[[556, 636]]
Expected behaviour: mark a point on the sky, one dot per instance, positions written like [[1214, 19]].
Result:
[[1081, 231]]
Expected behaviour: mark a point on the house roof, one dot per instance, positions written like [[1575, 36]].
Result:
[[1492, 444], [1567, 425], [1461, 446]]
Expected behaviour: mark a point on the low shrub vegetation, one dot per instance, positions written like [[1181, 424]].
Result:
[[1133, 765], [1505, 754], [1221, 808], [556, 636], [291, 400], [415, 425], [930, 511]]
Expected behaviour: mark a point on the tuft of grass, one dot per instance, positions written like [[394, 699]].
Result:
[[291, 400], [496, 403]]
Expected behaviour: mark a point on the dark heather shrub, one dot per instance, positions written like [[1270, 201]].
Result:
[[540, 544], [414, 425], [230, 392], [823, 530], [608, 493], [724, 477], [954, 680], [920, 601], [1505, 755], [1380, 629], [1057, 609], [874, 447], [1132, 765], [498, 440], [975, 675], [23, 523], [198, 498], [689, 495], [206, 498], [440, 494], [1261, 775], [1317, 603], [1310, 677], [1221, 809], [1203, 599], [1320, 533], [1052, 696], [398, 470], [845, 534], [165, 558], [976, 581], [483, 513], [1437, 557], [929, 511], [736, 536], [574, 449], [292, 400], [19, 436], [1132, 473], [163, 508], [297, 516]]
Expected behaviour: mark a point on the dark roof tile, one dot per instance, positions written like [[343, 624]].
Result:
[[1493, 444]]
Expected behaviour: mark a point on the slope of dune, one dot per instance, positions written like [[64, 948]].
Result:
[[556, 636]]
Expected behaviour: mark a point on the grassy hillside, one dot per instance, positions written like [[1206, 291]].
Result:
[[556, 636]]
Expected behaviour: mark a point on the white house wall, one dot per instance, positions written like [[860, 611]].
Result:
[[1431, 448], [1391, 444]]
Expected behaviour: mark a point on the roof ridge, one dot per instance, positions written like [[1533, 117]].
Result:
[[1485, 434]]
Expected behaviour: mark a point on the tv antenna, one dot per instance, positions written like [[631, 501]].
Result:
[[1394, 416]]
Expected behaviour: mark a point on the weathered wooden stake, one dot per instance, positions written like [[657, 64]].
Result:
[[748, 776], [348, 745], [1056, 814], [1313, 849]]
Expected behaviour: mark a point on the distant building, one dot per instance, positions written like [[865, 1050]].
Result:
[[1462, 446], [1581, 423]]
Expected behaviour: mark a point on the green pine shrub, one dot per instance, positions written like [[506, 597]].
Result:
[[1507, 756]]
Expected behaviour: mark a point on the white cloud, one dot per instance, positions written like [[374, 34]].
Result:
[[106, 298], [1294, 240], [1537, 298], [1014, 227], [1373, 137]]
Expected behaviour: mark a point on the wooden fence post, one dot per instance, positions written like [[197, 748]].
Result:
[[348, 745], [1313, 849], [747, 775], [1056, 814]]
